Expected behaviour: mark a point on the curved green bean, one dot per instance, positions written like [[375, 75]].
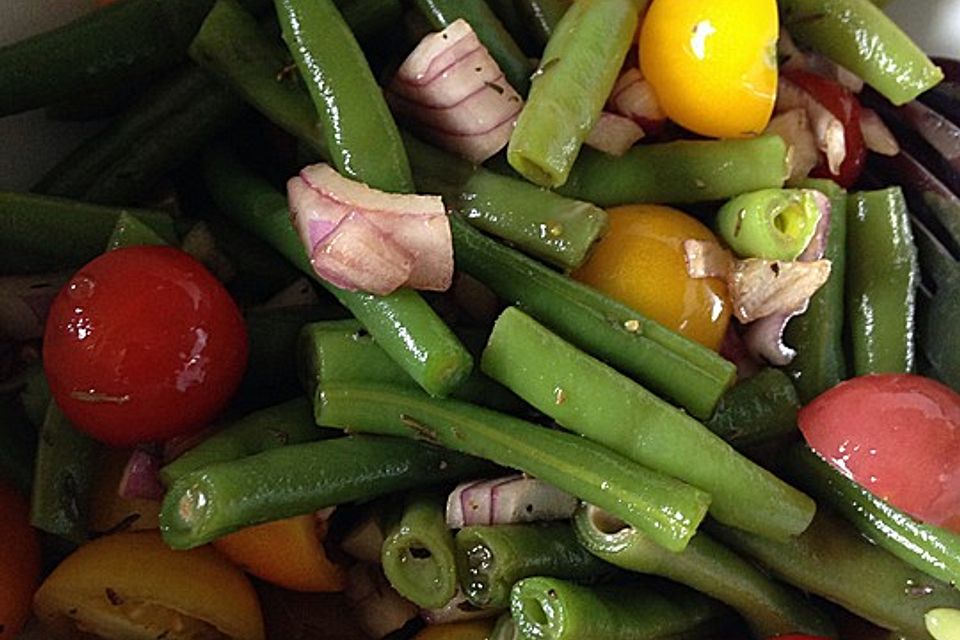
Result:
[[756, 411]]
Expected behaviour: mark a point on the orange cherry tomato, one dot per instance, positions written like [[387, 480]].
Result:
[[19, 562], [641, 262], [288, 553]]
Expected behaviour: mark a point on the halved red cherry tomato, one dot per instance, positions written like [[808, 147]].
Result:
[[844, 106], [897, 435], [143, 344]]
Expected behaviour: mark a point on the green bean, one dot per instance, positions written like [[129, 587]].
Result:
[[817, 334], [775, 224], [545, 225], [586, 396], [857, 35], [757, 411], [18, 445], [492, 34], [418, 555], [361, 137], [577, 72], [35, 395], [42, 233], [554, 609], [686, 372], [666, 509], [285, 424], [492, 559], [403, 324], [881, 282], [369, 19], [832, 560], [926, 547], [280, 483], [509, 15], [707, 566], [542, 17], [679, 172], [130, 231], [63, 478]]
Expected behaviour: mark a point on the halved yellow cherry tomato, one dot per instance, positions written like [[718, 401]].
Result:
[[288, 553], [19, 562], [713, 63], [470, 630], [132, 586], [641, 262]]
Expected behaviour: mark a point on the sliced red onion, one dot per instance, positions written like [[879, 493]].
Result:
[[25, 302], [827, 128], [794, 58], [802, 155], [634, 98], [300, 293], [141, 476], [735, 350], [878, 138], [459, 609], [507, 500], [614, 134], [377, 607], [453, 91]]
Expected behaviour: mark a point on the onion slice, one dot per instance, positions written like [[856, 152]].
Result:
[[453, 92], [634, 98], [802, 155], [141, 476], [877, 137], [614, 134], [507, 500], [25, 302], [827, 128], [459, 609]]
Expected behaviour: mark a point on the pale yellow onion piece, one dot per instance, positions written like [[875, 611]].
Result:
[[614, 134], [876, 136], [827, 128], [802, 155]]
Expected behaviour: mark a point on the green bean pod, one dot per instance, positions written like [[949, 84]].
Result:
[[709, 567], [285, 424], [280, 483], [577, 72], [774, 224], [404, 325], [757, 411], [680, 369], [542, 17], [881, 282], [588, 397], [859, 36], [667, 509], [679, 172], [555, 609], [832, 560], [817, 334], [418, 555], [130, 232], [492, 559], [492, 34]]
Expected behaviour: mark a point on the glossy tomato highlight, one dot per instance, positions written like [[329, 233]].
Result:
[[143, 344]]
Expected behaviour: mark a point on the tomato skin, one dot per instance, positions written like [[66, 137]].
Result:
[[19, 563], [143, 344], [897, 435]]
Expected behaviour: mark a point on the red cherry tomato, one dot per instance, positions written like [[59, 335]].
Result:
[[143, 344], [897, 435], [844, 106]]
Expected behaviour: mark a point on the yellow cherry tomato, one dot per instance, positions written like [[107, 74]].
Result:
[[641, 262], [288, 553], [470, 630], [713, 63], [132, 586]]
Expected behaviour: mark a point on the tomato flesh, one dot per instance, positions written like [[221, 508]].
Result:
[[143, 344], [897, 435]]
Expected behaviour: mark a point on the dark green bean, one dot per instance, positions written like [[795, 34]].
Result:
[[757, 411], [769, 608], [817, 335], [509, 15], [287, 481], [492, 559], [35, 395], [130, 231], [42, 233], [686, 372], [586, 396], [881, 282], [542, 17], [403, 324], [515, 65], [678, 172], [667, 509]]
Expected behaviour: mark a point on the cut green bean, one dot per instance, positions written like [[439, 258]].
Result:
[[361, 137], [404, 325], [679, 172], [492, 559], [859, 36], [418, 555], [130, 232], [287, 481], [666, 509], [545, 225], [554, 609], [42, 233], [775, 224], [769, 608], [492, 34], [577, 72], [881, 282], [678, 368], [832, 560], [588, 397], [542, 17], [285, 424], [817, 334], [757, 411]]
